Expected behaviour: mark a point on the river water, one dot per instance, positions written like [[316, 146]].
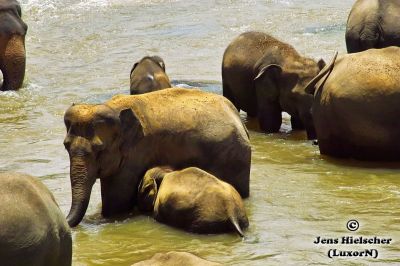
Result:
[[82, 51]]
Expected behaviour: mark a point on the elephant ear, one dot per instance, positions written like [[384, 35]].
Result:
[[131, 129], [133, 68], [159, 61], [147, 194], [268, 82], [273, 70], [326, 71]]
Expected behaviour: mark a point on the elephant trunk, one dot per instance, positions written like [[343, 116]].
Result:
[[13, 63], [81, 185]]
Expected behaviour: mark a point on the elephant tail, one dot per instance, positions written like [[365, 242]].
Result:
[[310, 88], [236, 226]]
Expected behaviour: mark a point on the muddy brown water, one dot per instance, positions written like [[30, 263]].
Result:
[[82, 51]]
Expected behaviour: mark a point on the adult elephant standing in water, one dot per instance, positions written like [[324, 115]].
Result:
[[356, 108], [263, 77], [118, 141], [373, 24], [12, 45]]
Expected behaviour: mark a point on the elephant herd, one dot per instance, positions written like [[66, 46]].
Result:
[[183, 156]]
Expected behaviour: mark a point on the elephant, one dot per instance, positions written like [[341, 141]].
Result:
[[264, 76], [192, 199], [174, 258], [356, 105], [373, 24], [33, 231], [12, 45], [119, 140], [149, 75]]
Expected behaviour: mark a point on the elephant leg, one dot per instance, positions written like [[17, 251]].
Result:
[[117, 195], [296, 123], [270, 117], [308, 123], [335, 147], [65, 257], [226, 91], [12, 63]]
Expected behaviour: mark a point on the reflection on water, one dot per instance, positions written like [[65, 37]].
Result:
[[82, 51]]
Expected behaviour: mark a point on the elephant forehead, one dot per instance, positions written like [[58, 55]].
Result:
[[82, 113]]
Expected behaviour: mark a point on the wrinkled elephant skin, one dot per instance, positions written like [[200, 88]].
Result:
[[12, 45], [373, 24], [264, 76], [118, 141], [192, 199], [356, 107], [33, 230]]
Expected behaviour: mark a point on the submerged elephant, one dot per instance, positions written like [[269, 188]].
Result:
[[12, 45], [263, 77], [356, 107], [118, 141], [33, 231], [192, 199], [174, 258], [373, 24], [149, 75]]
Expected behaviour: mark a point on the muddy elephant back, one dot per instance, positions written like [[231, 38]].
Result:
[[355, 110], [174, 258], [181, 110], [192, 128], [30, 218], [202, 203]]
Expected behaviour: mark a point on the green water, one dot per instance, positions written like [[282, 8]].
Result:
[[82, 51]]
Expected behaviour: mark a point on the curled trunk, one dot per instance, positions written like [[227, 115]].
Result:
[[81, 185]]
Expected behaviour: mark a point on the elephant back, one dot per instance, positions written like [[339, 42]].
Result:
[[33, 228], [179, 111]]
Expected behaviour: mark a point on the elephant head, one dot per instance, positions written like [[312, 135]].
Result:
[[148, 75], [97, 142], [280, 87], [149, 186], [12, 45]]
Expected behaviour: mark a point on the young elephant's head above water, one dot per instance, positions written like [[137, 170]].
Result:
[[148, 75], [149, 186], [96, 141]]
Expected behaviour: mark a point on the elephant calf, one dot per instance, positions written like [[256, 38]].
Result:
[[12, 45], [373, 24], [356, 108], [149, 75], [264, 76], [192, 199], [174, 258], [33, 231]]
